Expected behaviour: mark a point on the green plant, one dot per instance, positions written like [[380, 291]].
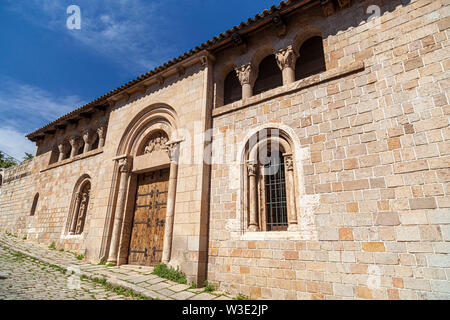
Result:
[[80, 256], [170, 273], [241, 297], [209, 287], [110, 265], [102, 262], [61, 250], [193, 285], [52, 245]]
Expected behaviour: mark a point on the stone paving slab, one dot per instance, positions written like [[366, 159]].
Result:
[[203, 296], [183, 295], [31, 284]]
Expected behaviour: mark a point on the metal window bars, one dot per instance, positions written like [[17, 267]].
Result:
[[275, 187]]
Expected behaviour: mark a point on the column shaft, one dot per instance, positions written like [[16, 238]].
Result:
[[168, 228], [118, 216]]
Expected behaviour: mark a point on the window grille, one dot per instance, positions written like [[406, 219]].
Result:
[[275, 187]]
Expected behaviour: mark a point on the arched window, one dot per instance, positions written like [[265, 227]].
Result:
[[232, 88], [80, 148], [68, 152], [311, 58], [79, 207], [54, 155], [269, 75], [95, 144], [270, 183], [34, 205]]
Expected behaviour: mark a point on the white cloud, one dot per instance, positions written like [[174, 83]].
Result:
[[14, 143], [24, 108], [128, 32]]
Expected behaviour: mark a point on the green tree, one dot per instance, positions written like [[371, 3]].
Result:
[[6, 161], [28, 156]]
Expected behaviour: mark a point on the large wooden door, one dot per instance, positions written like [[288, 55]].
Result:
[[147, 234]]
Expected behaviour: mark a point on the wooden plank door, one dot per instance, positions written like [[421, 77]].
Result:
[[147, 234]]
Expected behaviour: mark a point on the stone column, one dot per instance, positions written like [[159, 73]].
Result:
[[75, 144], [253, 190], [62, 148], [286, 59], [173, 148], [101, 131], [87, 138], [247, 78], [73, 223], [124, 171], [290, 192]]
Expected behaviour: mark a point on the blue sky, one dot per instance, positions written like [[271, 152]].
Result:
[[47, 70]]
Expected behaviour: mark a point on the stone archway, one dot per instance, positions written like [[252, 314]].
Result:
[[147, 158]]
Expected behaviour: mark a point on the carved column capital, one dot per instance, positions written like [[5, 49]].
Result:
[[246, 74], [252, 168], [74, 141], [173, 150], [101, 131], [289, 162], [63, 147], [286, 58], [327, 7], [124, 165], [88, 136]]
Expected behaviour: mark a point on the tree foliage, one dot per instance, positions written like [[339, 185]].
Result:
[[28, 156], [6, 161]]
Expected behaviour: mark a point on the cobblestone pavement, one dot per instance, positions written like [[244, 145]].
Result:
[[34, 272], [21, 278]]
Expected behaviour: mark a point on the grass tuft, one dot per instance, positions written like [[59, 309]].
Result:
[[170, 273]]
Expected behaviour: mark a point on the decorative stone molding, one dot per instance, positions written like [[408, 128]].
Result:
[[279, 24], [239, 42], [101, 131], [84, 199], [289, 162], [63, 147], [88, 138], [181, 71], [160, 80], [124, 165], [246, 74], [75, 143], [327, 7], [286, 58], [156, 143], [173, 150], [252, 168], [344, 3]]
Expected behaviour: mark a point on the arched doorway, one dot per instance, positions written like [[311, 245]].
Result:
[[146, 174], [150, 205]]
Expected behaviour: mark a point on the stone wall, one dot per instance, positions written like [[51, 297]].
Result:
[[372, 162]]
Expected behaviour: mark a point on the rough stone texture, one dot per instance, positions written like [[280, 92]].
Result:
[[377, 170], [370, 140], [27, 271]]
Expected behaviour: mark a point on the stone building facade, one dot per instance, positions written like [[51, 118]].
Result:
[[303, 154]]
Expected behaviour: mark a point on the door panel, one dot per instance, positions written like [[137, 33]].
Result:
[[147, 235]]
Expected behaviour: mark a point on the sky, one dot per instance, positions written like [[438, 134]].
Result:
[[48, 70]]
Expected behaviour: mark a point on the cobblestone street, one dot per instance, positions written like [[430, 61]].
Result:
[[21, 278], [30, 271]]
